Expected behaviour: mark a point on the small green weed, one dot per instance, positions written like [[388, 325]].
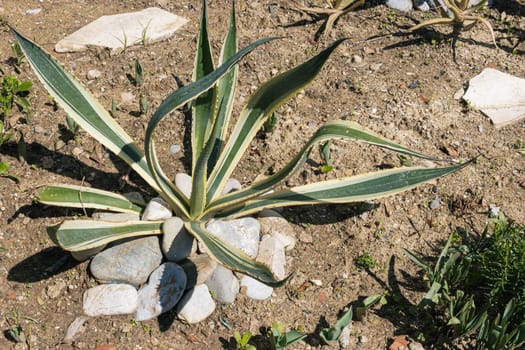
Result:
[[243, 341], [324, 150], [365, 261], [14, 92]]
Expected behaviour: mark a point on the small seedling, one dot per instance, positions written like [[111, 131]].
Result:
[[281, 339], [18, 56], [72, 126], [270, 123], [243, 341], [324, 150], [14, 91], [365, 261], [144, 107], [331, 335], [139, 73]]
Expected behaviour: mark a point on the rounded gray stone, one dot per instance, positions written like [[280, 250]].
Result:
[[129, 261], [176, 241], [164, 289], [110, 299], [223, 285]]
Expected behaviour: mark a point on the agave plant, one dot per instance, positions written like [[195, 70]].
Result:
[[214, 156], [458, 14]]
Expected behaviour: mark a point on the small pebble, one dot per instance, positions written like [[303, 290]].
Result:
[[413, 85], [375, 67], [33, 11], [93, 74], [493, 211], [415, 346], [357, 59], [76, 327], [175, 149], [434, 204]]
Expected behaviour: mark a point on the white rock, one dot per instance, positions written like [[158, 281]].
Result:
[[241, 233], [414, 345], [76, 327], [93, 74], [255, 289], [127, 98], [110, 299], [272, 223], [401, 5], [123, 30], [164, 289], [33, 11], [223, 285], [183, 183], [231, 185], [157, 209], [196, 305], [344, 337], [174, 149], [271, 253], [498, 95], [177, 243]]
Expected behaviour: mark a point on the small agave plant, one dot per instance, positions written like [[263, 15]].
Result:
[[214, 156]]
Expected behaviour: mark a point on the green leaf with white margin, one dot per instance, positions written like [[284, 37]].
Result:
[[78, 235], [337, 129], [226, 91], [85, 197], [176, 100], [230, 256], [80, 105], [261, 104], [330, 335], [357, 188], [224, 97], [203, 108]]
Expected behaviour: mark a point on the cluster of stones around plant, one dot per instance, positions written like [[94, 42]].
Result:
[[152, 275]]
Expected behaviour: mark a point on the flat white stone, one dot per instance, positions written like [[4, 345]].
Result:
[[123, 30], [272, 223], [241, 233], [255, 289], [196, 305], [183, 183], [110, 299], [271, 253], [157, 209], [499, 95]]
